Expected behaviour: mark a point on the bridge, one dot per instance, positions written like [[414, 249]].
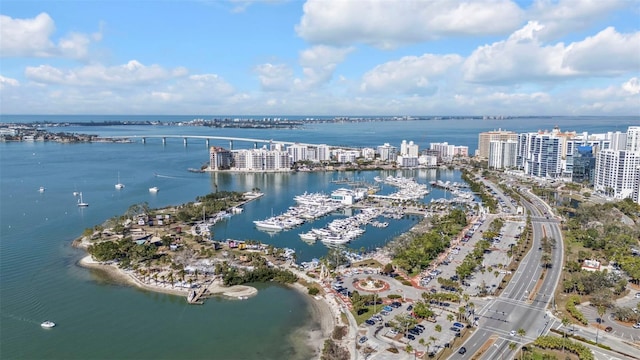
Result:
[[207, 139]]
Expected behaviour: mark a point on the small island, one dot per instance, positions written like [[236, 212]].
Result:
[[170, 250]]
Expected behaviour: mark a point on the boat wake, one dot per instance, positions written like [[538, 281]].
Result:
[[169, 177], [20, 318]]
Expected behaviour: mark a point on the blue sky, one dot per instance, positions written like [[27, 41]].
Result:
[[320, 57]]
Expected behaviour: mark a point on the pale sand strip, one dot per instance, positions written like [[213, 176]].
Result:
[[323, 314], [127, 277]]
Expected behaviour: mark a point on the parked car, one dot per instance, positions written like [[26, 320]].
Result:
[[362, 340], [410, 307], [409, 336], [457, 324], [370, 322], [456, 329]]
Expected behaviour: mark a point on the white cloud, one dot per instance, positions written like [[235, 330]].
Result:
[[387, 24], [274, 77], [632, 86], [561, 17], [410, 74], [31, 38], [129, 74], [524, 58], [5, 81], [319, 63], [608, 52]]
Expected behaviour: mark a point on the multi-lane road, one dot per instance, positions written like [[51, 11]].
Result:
[[522, 304]]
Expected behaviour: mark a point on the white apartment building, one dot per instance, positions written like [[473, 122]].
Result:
[[346, 156], [616, 173], [387, 152], [409, 149], [633, 139], [368, 153], [502, 154], [428, 160], [298, 152], [261, 160], [323, 153]]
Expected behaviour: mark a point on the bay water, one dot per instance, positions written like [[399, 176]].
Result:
[[100, 319]]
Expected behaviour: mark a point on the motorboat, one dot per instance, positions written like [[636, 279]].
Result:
[[81, 202], [48, 324], [42, 189], [154, 189], [308, 236]]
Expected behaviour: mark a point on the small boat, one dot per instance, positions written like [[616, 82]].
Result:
[[119, 185], [48, 324], [153, 190], [42, 189], [81, 203], [75, 193]]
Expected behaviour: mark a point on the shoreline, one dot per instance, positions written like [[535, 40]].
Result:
[[239, 292], [324, 320]]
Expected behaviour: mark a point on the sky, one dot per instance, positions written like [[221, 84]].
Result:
[[320, 57]]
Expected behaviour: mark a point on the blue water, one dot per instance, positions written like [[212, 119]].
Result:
[[39, 278]]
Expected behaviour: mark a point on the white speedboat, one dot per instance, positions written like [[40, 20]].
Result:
[[271, 225], [48, 324], [42, 189], [81, 203], [154, 189]]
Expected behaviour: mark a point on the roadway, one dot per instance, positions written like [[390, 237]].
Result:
[[521, 305]]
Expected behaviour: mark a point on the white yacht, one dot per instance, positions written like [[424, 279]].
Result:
[[308, 236], [81, 203], [154, 189], [272, 225], [48, 324]]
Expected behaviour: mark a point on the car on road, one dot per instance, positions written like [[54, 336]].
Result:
[[636, 326], [638, 295], [462, 350], [512, 333], [362, 340], [608, 329], [457, 324]]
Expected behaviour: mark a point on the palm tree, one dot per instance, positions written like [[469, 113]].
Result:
[[601, 311], [521, 332], [565, 322], [450, 317]]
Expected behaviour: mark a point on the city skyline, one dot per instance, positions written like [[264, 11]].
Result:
[[321, 57]]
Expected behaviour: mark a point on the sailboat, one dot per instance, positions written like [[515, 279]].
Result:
[[119, 185], [81, 203]]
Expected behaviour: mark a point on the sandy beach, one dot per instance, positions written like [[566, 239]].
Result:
[[325, 318], [126, 277]]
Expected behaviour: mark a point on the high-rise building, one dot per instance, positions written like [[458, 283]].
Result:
[[298, 152], [633, 138], [219, 158], [485, 138], [502, 154], [616, 173], [584, 164], [387, 152]]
